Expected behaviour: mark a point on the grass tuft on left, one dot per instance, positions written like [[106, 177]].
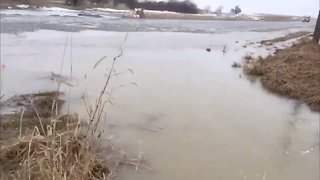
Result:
[[41, 143]]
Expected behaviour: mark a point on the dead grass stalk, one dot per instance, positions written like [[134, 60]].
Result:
[[62, 149]]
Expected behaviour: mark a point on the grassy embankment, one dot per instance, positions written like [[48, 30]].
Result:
[[293, 72]]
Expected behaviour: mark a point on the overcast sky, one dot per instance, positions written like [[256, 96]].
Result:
[[291, 7]]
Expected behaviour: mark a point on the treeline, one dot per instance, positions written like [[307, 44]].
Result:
[[175, 6], [186, 6], [131, 4]]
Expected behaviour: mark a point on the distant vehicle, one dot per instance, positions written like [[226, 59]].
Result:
[[306, 19]]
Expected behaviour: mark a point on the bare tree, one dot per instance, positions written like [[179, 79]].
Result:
[[207, 9], [236, 10], [218, 10]]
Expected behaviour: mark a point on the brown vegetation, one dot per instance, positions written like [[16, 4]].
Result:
[[46, 147], [294, 72]]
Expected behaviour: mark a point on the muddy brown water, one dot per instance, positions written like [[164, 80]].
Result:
[[186, 109]]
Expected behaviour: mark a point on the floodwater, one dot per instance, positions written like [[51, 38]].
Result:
[[186, 109]]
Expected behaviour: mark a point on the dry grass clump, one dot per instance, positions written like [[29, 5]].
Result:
[[253, 67], [294, 72], [51, 157], [54, 147]]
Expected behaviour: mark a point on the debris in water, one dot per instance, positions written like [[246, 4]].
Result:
[[224, 49], [131, 71], [62, 79], [305, 152], [133, 83], [236, 65], [248, 57], [208, 49]]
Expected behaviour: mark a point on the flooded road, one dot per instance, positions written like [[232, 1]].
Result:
[[187, 110], [15, 21]]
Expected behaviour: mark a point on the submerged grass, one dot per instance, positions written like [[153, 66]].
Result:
[[41, 143]]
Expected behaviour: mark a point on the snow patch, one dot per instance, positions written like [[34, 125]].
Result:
[[23, 6], [58, 9]]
